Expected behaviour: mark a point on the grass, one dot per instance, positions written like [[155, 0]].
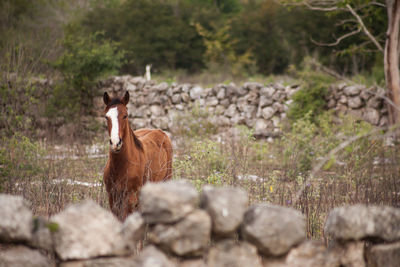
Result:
[[366, 171]]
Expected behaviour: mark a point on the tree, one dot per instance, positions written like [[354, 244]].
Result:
[[357, 25]]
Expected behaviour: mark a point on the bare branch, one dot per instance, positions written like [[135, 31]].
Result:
[[365, 30], [337, 40]]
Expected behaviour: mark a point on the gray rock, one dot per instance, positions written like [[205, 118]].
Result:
[[41, 236], [139, 123], [265, 101], [152, 257], [375, 102], [384, 121], [228, 253], [230, 111], [225, 103], [352, 90], [212, 101], [343, 99], [185, 97], [349, 254], [387, 255], [221, 93], [274, 230], [161, 123], [157, 110], [249, 111], [252, 86], [241, 90], [237, 119], [331, 103], [16, 219], [188, 237], [261, 127], [193, 263], [278, 107], [162, 87], [365, 94], [371, 115], [226, 206], [310, 253], [196, 92], [186, 87], [267, 91], [176, 99], [364, 222], [268, 112], [354, 102], [21, 256], [86, 230], [102, 262], [167, 202], [133, 230]]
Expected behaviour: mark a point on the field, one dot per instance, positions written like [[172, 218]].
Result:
[[313, 167]]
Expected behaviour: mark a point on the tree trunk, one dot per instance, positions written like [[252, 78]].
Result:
[[391, 59]]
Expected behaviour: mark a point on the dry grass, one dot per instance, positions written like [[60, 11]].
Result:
[[366, 171]]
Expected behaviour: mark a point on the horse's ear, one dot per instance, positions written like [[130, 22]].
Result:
[[125, 99], [106, 98]]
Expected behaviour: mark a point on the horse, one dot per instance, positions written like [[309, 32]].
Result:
[[135, 157]]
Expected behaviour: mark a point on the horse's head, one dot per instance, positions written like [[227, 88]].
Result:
[[116, 115]]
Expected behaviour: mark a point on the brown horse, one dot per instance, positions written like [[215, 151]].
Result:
[[135, 157]]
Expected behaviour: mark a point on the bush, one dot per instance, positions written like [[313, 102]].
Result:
[[310, 99], [84, 61]]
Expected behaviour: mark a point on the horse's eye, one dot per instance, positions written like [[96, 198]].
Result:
[[126, 116]]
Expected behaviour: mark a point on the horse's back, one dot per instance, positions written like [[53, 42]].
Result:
[[157, 147]]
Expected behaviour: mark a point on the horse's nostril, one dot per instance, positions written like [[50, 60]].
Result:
[[120, 142], [110, 142]]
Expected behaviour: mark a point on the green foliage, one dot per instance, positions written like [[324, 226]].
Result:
[[20, 160], [310, 99], [53, 227], [84, 61]]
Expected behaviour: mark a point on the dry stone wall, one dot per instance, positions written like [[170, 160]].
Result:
[[259, 106], [184, 228]]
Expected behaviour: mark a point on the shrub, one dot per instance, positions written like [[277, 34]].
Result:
[[84, 61], [310, 99]]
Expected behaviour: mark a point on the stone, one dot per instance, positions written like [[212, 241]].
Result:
[[261, 127], [343, 99], [355, 113], [387, 255], [161, 122], [371, 115], [249, 111], [252, 86], [267, 91], [212, 101], [230, 111], [157, 110], [41, 235], [274, 230], [193, 263], [133, 230], [237, 119], [310, 253], [375, 102], [21, 256], [221, 93], [226, 207], [16, 221], [167, 202], [352, 90], [152, 257], [176, 98], [188, 237], [354, 102], [225, 103], [139, 123], [162, 87], [278, 107], [102, 262], [265, 101], [366, 94], [384, 121], [349, 254], [331, 103], [359, 222], [185, 97], [85, 230], [268, 112], [196, 92], [241, 90], [229, 253]]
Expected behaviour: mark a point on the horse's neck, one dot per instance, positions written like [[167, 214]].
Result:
[[128, 152]]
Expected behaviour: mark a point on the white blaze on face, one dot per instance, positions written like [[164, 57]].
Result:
[[113, 115]]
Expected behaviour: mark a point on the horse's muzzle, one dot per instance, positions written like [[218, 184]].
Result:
[[116, 148]]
